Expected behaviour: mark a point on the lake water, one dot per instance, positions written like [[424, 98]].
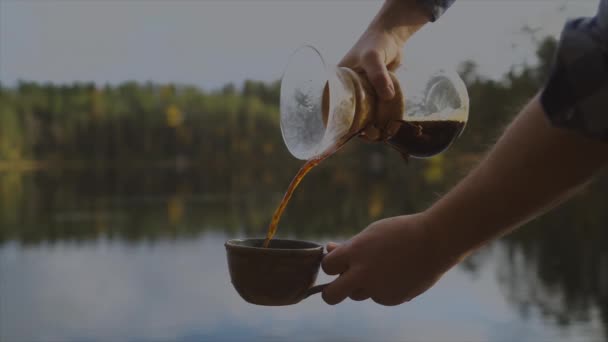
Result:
[[126, 261]]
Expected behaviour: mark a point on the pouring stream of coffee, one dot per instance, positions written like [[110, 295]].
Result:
[[304, 170]]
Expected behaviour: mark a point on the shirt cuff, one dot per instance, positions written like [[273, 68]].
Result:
[[576, 94], [435, 8]]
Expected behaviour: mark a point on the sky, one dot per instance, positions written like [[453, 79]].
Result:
[[210, 43]]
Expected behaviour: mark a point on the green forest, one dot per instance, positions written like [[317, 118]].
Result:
[[132, 122]]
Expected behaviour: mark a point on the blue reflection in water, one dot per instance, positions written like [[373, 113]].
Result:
[[180, 290]]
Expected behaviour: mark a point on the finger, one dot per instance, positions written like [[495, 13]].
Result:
[[377, 74], [394, 65], [388, 301], [339, 289], [331, 246], [359, 295], [349, 61], [336, 261]]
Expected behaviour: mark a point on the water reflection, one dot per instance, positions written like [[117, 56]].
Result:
[[107, 255], [168, 290], [564, 259]]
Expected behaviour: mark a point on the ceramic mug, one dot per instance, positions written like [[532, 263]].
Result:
[[282, 274]]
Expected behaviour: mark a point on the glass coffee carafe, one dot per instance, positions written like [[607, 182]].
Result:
[[323, 106]]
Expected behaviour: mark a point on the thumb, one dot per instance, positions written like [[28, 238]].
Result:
[[336, 260], [377, 74]]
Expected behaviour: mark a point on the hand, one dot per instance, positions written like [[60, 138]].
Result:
[[375, 53], [392, 261], [379, 48]]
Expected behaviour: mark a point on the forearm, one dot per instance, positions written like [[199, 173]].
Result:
[[531, 168], [401, 18]]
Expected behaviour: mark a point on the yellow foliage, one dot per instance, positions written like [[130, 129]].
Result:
[[375, 205], [175, 118], [433, 172], [175, 209]]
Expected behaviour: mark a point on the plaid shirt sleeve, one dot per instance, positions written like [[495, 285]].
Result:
[[436, 7], [576, 94]]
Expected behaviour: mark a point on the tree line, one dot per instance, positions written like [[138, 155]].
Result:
[[131, 121]]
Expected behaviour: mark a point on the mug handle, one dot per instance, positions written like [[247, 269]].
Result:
[[317, 288]]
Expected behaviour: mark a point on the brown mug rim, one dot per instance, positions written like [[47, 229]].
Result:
[[232, 244]]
